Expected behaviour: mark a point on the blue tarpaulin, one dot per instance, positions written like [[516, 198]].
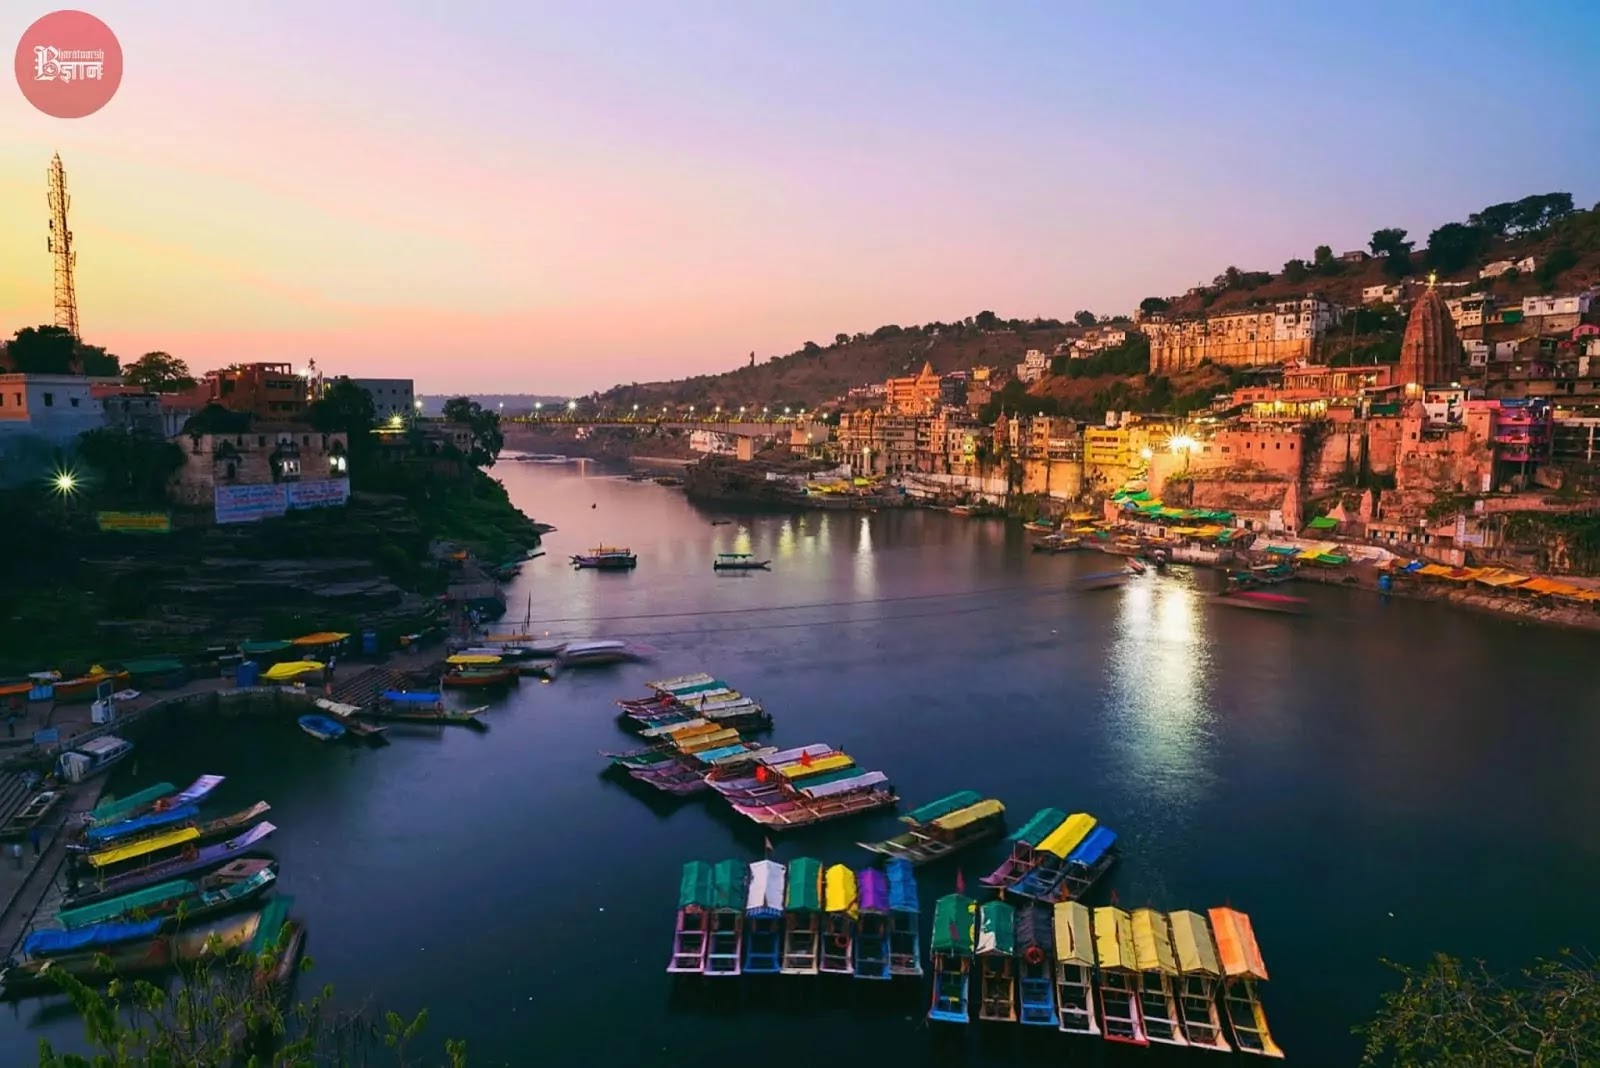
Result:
[[902, 885], [409, 697], [112, 831], [1415, 565], [1091, 849], [43, 943]]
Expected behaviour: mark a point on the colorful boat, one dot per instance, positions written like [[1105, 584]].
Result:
[[725, 942], [810, 805], [680, 680], [322, 728], [51, 942], [602, 558], [1158, 967], [1262, 601], [472, 678], [1046, 880], [951, 946], [1074, 950], [85, 687], [1036, 1002], [841, 905], [1119, 976], [692, 937], [763, 918], [159, 871], [996, 953], [802, 907], [1199, 975], [872, 925], [1057, 543], [1039, 527], [943, 827], [191, 833], [1242, 969], [165, 898], [739, 562], [404, 706], [157, 798], [1024, 846], [905, 937]]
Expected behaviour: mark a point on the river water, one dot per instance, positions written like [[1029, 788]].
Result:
[[1374, 780]]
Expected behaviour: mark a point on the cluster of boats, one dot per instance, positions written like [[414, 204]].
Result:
[[605, 558], [154, 883]]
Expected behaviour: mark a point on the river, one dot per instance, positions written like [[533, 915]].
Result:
[[1378, 779]]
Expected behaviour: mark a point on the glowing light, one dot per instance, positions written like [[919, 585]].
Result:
[[418, 405], [1146, 453], [538, 406], [395, 420], [635, 407], [572, 406], [1183, 443], [65, 483]]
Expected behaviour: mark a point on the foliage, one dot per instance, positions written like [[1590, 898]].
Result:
[[1153, 305], [1560, 259], [346, 407], [487, 440], [96, 361], [1130, 357], [135, 467], [42, 350], [1576, 533], [1454, 1013], [1014, 399], [1454, 246], [159, 372], [1296, 271], [215, 419], [1392, 246], [1084, 318], [1528, 215], [1323, 261]]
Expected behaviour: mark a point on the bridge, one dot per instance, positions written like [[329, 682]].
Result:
[[743, 428]]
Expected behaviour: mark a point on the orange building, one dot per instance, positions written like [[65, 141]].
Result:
[[265, 390], [916, 394]]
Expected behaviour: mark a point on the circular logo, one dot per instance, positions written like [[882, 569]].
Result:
[[69, 64]]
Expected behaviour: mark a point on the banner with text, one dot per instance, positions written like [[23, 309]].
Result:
[[250, 504], [134, 522]]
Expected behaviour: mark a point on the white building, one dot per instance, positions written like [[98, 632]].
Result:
[[1500, 267], [390, 396], [1468, 311], [1576, 304], [1301, 320], [1382, 294], [1033, 366], [713, 442], [56, 408]]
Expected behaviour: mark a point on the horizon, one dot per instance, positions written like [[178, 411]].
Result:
[[638, 194]]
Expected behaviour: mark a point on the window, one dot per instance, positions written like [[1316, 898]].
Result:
[[16, 398], [72, 401], [261, 441], [49, 400]]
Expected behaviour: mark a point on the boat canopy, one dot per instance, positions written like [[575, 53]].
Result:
[[113, 808], [765, 895], [291, 669], [1074, 933], [902, 885], [107, 832], [143, 847], [966, 817], [943, 807], [259, 648], [1088, 852], [1034, 930], [707, 756], [1038, 827], [410, 697], [1152, 942], [472, 659], [873, 886], [47, 941], [734, 556], [1236, 944], [803, 885], [1065, 838], [199, 789], [789, 756], [321, 637], [817, 766], [694, 887], [1191, 939], [155, 665], [814, 781], [1113, 938], [952, 925], [727, 884], [845, 786], [100, 911], [839, 890], [997, 928]]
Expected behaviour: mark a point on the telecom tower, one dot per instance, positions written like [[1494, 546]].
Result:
[[60, 245]]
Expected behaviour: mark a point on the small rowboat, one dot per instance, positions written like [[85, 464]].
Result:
[[30, 815], [322, 728], [739, 562], [840, 907], [905, 939], [1024, 841], [602, 558], [942, 827], [872, 925], [1242, 968], [212, 856], [1262, 601], [478, 677], [763, 918], [802, 909]]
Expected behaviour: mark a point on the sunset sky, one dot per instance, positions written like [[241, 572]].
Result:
[[556, 198]]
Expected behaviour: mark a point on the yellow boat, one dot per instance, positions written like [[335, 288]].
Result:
[[143, 847]]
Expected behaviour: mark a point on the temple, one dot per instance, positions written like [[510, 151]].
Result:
[[1430, 351]]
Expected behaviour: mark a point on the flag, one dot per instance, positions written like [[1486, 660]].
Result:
[[961, 882], [761, 773], [1113, 897], [805, 760], [767, 842]]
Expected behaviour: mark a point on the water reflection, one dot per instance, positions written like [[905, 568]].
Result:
[[866, 580]]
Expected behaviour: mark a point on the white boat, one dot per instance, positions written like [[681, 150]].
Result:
[[93, 757], [576, 654]]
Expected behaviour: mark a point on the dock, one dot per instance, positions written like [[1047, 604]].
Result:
[[24, 890]]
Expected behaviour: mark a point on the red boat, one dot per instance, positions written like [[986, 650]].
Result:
[[1263, 602]]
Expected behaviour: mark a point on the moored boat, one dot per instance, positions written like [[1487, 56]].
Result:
[[94, 757], [872, 925], [186, 836], [596, 653], [165, 898], [1036, 1002], [212, 856], [962, 510], [1199, 974], [724, 948], [322, 728], [951, 947], [802, 908], [407, 706], [602, 558], [1158, 967], [1073, 934], [202, 904], [30, 815], [1039, 527], [763, 918], [905, 937], [808, 805], [739, 562], [1119, 976], [943, 827], [692, 936], [996, 956], [1242, 969], [1057, 543], [479, 677], [157, 798], [840, 906], [1045, 881], [1024, 844]]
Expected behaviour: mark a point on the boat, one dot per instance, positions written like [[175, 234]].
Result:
[[85, 687], [596, 653], [905, 939], [322, 728], [951, 946], [1074, 951], [763, 918], [1107, 580], [1119, 976], [1039, 527], [477, 678], [943, 827], [348, 717], [669, 685], [811, 805], [840, 906], [94, 757], [471, 658], [1262, 575], [30, 815], [963, 510], [190, 833], [55, 942], [1199, 975], [211, 856], [739, 562], [602, 558], [1158, 967], [1262, 601], [802, 908], [1057, 543], [667, 480], [1024, 845], [1242, 969], [151, 823], [164, 898], [692, 936], [408, 706], [1036, 1001], [157, 798], [721, 522], [1047, 879], [1136, 566], [1082, 867], [872, 925], [996, 955], [725, 940]]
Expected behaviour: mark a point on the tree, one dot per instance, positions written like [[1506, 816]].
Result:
[[1153, 305], [1392, 245], [96, 361], [811, 348], [1323, 261], [42, 350], [1562, 258], [1451, 1013], [1084, 318], [133, 466], [159, 372], [1454, 247], [1494, 220], [985, 320], [487, 440], [840, 339], [1295, 271], [344, 406]]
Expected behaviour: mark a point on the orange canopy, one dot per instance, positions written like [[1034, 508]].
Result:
[[1236, 944]]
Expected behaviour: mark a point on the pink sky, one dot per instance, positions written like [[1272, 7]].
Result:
[[518, 197]]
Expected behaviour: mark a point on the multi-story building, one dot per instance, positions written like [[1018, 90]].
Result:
[[1286, 333], [1383, 294], [270, 469], [1500, 267], [266, 390], [1034, 366], [980, 388], [54, 408], [131, 409], [1557, 314], [878, 441], [391, 397], [953, 389], [1468, 312], [916, 394], [1303, 320]]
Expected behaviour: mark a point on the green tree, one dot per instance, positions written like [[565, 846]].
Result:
[[841, 339], [1153, 305], [1392, 246], [1560, 259], [1454, 247], [131, 466], [1323, 262], [985, 320], [345, 407], [1084, 318], [1296, 271], [487, 439], [159, 372], [1494, 220], [42, 350], [96, 361]]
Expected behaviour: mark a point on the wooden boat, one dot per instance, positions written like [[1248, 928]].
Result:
[[819, 804], [1074, 950], [405, 706], [802, 925], [30, 815], [1261, 575], [1262, 601], [1024, 845], [963, 510], [996, 953], [85, 687], [840, 906], [724, 949], [1199, 975], [159, 871], [602, 558], [157, 798], [1108, 580], [322, 728], [1089, 860], [1242, 969], [1038, 527], [739, 562], [1036, 1002], [951, 945], [692, 937], [872, 925], [943, 827], [162, 823], [57, 942], [167, 898], [186, 836], [763, 918], [905, 939], [1119, 976], [674, 683], [1047, 880], [1158, 967], [478, 678], [1057, 543], [348, 717]]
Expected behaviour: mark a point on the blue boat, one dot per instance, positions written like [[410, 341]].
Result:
[[1035, 971], [112, 832], [322, 728], [872, 925], [951, 944], [763, 918], [905, 941]]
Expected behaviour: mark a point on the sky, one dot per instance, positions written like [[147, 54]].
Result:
[[555, 198]]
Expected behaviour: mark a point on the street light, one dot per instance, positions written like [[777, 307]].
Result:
[[65, 483], [538, 406], [1183, 443], [572, 405]]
